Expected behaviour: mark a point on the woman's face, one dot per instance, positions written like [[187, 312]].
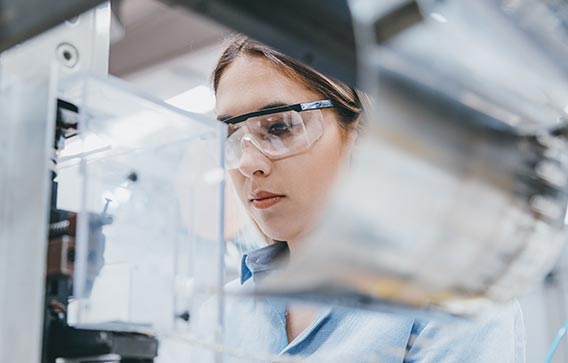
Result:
[[284, 196]]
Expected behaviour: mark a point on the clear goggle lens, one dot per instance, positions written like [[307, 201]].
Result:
[[276, 135]]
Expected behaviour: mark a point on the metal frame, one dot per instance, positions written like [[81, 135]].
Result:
[[28, 80], [22, 19]]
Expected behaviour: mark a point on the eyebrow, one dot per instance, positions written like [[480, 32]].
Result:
[[265, 107]]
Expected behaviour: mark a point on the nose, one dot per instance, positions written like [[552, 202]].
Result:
[[253, 162]]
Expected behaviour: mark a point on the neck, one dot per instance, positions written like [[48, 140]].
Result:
[[292, 246], [296, 242]]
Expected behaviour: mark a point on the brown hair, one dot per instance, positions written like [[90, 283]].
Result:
[[347, 102]]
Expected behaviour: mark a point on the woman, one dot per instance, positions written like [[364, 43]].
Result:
[[290, 131]]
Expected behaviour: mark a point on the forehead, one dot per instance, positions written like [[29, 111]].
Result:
[[251, 83]]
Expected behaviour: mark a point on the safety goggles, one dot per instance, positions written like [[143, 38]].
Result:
[[277, 132]]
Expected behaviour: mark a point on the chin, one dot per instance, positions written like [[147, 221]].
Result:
[[280, 231], [276, 234]]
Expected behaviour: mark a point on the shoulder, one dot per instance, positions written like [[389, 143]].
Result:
[[505, 320], [496, 337]]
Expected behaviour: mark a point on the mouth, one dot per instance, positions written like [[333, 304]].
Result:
[[264, 200]]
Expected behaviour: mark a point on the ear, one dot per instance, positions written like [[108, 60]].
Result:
[[352, 135], [350, 141]]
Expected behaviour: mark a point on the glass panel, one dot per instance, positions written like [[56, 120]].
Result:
[[147, 182]]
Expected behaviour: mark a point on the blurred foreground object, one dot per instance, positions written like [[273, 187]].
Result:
[[457, 195]]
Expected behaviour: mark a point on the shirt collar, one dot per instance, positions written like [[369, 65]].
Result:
[[260, 262]]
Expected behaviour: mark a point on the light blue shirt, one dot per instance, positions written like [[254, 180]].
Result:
[[255, 330]]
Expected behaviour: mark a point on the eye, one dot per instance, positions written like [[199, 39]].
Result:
[[280, 128]]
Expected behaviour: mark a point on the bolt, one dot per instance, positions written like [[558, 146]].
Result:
[[133, 176], [67, 55]]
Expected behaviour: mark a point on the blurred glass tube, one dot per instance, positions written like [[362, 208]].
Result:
[[457, 194]]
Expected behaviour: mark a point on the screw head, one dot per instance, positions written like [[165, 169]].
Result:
[[67, 54]]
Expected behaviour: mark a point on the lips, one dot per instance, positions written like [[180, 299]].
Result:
[[264, 200]]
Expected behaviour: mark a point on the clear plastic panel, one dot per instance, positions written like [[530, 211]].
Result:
[[148, 182]]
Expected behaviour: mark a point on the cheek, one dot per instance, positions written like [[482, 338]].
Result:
[[314, 172], [327, 156], [238, 180]]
